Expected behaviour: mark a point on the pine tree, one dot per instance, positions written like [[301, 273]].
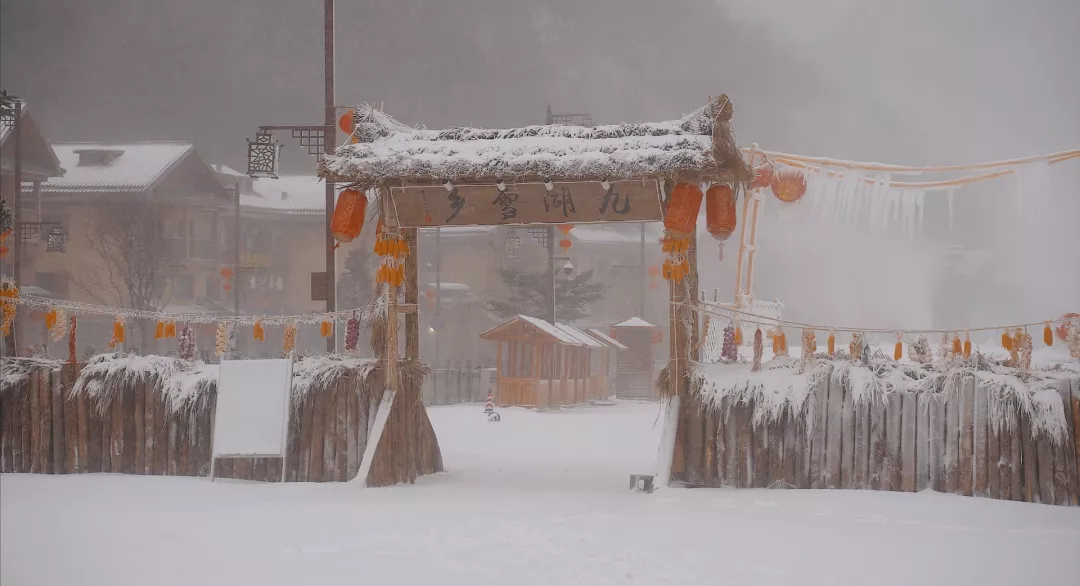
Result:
[[530, 294], [355, 285]]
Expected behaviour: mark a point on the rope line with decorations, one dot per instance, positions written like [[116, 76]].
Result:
[[1014, 337], [341, 315]]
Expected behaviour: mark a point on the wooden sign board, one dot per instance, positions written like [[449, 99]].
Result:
[[527, 203]]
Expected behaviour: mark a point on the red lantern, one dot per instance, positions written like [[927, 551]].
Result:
[[682, 212], [789, 185], [565, 228], [657, 336], [720, 211], [227, 286], [654, 271], [565, 244], [348, 217], [763, 176], [345, 123], [226, 272]]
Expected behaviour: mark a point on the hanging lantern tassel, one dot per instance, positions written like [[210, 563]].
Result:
[[1048, 335], [967, 344], [832, 344], [898, 352]]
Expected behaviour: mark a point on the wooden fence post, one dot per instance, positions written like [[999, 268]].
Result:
[[56, 434]]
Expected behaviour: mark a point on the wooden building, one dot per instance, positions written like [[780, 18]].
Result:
[[544, 365], [635, 373]]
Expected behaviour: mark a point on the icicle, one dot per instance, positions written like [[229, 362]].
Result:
[[920, 208]]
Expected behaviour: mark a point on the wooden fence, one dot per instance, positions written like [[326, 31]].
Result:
[[454, 383], [43, 430], [905, 442]]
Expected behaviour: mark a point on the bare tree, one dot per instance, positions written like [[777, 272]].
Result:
[[137, 264]]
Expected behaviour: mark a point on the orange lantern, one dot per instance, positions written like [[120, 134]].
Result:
[[348, 217], [720, 212], [565, 228], [345, 123], [565, 244], [682, 212], [763, 177], [789, 185], [226, 272]]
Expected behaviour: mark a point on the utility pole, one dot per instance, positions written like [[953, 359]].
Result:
[[642, 273], [329, 142], [438, 305]]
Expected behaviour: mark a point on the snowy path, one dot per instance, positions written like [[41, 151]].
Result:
[[536, 499]]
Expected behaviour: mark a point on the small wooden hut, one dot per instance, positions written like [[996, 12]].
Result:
[[604, 362], [635, 375], [544, 365]]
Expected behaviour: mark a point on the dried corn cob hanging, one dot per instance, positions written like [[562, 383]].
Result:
[[1006, 340], [831, 343], [1048, 335], [957, 346], [170, 329], [257, 331], [290, 338], [159, 330], [898, 351], [221, 340], [118, 334], [967, 344], [50, 318]]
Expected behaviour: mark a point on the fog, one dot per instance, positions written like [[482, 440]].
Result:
[[919, 82]]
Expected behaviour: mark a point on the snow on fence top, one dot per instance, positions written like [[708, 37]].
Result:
[[389, 150], [16, 370], [785, 386]]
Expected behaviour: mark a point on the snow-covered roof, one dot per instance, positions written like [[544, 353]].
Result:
[[131, 166], [606, 339], [390, 150], [560, 336], [302, 195], [634, 322], [227, 170], [581, 337]]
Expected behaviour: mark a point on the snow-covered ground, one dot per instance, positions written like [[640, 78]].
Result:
[[539, 498]]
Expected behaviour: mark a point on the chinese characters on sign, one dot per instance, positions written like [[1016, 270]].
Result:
[[505, 201], [456, 203], [560, 199], [527, 203]]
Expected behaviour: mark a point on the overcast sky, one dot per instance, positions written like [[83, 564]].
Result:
[[919, 81]]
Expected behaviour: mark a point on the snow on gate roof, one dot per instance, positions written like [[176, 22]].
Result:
[[606, 339], [389, 150]]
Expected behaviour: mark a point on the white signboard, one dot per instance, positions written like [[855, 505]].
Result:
[[252, 415]]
